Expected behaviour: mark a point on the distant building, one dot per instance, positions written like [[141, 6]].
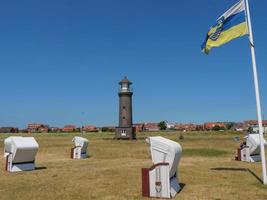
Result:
[[200, 127], [254, 123], [170, 125], [185, 127], [255, 129], [239, 126], [9, 130], [89, 128], [139, 127], [44, 129], [211, 125], [34, 127], [69, 128], [37, 128], [55, 129], [151, 127]]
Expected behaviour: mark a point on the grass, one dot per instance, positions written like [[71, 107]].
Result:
[[113, 171]]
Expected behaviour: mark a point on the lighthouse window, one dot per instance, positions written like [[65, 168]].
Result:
[[123, 118], [124, 86], [123, 107]]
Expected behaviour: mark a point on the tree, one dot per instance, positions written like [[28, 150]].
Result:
[[230, 125], [105, 129], [217, 128], [162, 125], [250, 129]]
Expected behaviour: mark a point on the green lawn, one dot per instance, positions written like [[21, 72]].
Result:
[[113, 170]]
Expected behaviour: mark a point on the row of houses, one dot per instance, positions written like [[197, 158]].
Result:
[[178, 126], [9, 130], [253, 125], [139, 127], [238, 126], [43, 128]]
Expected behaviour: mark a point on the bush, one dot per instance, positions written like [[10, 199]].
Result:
[[218, 128], [107, 129]]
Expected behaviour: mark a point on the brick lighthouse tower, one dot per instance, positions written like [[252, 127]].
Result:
[[125, 129]]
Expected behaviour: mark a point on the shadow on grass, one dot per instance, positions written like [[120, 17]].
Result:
[[238, 169], [108, 138], [182, 185], [204, 152], [40, 168], [114, 139]]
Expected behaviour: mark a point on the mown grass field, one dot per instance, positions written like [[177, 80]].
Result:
[[113, 170]]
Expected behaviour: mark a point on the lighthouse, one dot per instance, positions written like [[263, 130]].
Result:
[[125, 129]]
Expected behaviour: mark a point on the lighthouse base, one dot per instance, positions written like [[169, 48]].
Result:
[[125, 133]]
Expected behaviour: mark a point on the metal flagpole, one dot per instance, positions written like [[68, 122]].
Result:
[[257, 93]]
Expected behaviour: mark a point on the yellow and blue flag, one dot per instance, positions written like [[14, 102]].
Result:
[[231, 25]]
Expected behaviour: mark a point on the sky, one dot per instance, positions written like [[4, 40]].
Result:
[[61, 61]]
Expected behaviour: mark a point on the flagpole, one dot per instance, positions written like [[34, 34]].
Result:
[[257, 93]]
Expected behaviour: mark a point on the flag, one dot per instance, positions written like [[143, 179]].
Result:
[[231, 25]]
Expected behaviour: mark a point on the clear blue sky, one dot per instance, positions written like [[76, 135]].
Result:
[[61, 61]]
